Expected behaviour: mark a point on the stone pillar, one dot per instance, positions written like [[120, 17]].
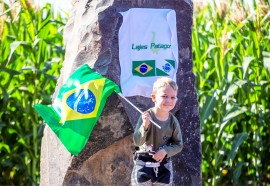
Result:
[[91, 36]]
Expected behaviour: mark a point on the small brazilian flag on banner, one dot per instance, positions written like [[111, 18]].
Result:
[[144, 68], [77, 107]]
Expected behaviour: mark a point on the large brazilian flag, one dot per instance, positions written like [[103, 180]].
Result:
[[77, 107]]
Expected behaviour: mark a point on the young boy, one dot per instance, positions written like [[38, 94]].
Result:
[[156, 146]]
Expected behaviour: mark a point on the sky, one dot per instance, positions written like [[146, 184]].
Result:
[[58, 5], [65, 5]]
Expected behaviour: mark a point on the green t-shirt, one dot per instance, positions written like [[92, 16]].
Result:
[[169, 137]]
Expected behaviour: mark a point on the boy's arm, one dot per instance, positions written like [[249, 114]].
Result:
[[177, 145], [140, 134]]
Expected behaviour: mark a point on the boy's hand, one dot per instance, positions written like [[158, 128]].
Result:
[[146, 120], [160, 155]]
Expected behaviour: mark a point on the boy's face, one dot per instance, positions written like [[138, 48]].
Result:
[[165, 98]]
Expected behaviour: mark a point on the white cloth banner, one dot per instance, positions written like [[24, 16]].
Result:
[[148, 49]]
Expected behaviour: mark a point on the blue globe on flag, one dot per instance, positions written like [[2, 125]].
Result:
[[143, 68], [83, 101]]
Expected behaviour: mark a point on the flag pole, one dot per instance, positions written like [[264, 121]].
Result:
[[121, 95]]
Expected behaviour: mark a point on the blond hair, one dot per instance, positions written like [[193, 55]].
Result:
[[162, 82]]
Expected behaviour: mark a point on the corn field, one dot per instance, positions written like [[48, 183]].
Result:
[[231, 55], [31, 56]]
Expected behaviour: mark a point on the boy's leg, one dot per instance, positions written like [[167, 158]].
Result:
[[134, 178], [169, 167]]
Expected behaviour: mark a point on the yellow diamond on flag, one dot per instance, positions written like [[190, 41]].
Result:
[[83, 101]]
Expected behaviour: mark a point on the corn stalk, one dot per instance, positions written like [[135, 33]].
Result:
[[231, 49], [32, 53]]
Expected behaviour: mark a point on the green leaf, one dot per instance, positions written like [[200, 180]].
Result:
[[234, 86], [10, 71], [211, 47], [11, 131], [237, 142], [4, 146], [208, 108], [5, 97], [236, 111], [15, 45], [238, 170], [247, 61], [266, 60]]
